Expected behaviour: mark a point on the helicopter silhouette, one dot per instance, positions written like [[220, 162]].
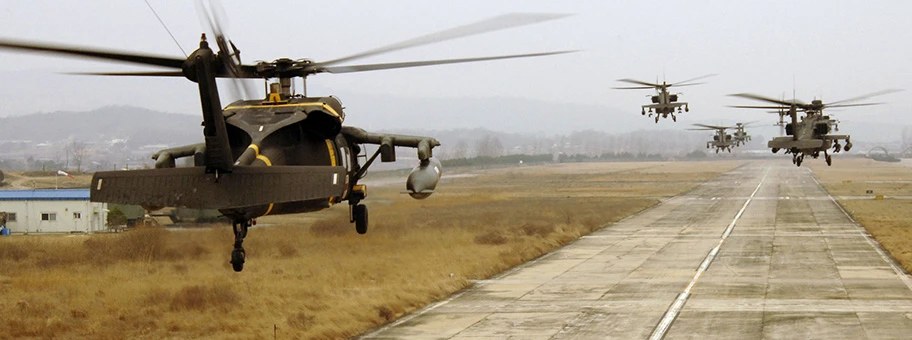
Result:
[[740, 136], [811, 134], [721, 139], [664, 103], [281, 154]]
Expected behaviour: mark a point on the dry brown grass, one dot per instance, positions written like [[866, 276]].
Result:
[[308, 276], [889, 221], [45, 180]]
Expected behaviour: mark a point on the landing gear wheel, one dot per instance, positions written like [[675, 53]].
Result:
[[643, 112], [799, 160], [657, 119], [237, 259], [829, 160], [359, 213], [674, 118], [238, 255]]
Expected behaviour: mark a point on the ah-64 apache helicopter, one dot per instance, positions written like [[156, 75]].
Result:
[[664, 103], [811, 135], [286, 153], [740, 136], [721, 139]]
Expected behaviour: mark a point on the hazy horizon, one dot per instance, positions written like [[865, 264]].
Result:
[[830, 50]]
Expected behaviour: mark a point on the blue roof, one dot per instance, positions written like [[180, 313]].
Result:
[[45, 195]]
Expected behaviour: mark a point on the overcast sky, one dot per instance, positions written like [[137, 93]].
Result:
[[829, 49]]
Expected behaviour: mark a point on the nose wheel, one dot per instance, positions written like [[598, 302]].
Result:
[[238, 255]]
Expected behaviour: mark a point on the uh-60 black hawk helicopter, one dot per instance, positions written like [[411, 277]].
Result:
[[811, 135], [664, 103], [285, 153]]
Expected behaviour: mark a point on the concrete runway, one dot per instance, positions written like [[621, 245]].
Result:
[[762, 252]]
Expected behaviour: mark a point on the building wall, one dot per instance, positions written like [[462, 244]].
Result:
[[92, 216]]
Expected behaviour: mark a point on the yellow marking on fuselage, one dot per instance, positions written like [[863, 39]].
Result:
[[332, 161], [322, 105], [332, 152], [256, 151]]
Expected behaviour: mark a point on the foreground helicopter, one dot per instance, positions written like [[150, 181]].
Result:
[[663, 102], [810, 135], [721, 139], [285, 153]]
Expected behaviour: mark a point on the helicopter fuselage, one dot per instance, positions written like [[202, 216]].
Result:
[[809, 136], [664, 104], [279, 147]]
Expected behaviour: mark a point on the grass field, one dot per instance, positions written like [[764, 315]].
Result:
[[888, 220], [312, 276]]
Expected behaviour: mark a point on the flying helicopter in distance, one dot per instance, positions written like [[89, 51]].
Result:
[[664, 103], [283, 153], [740, 136], [811, 135], [721, 139]]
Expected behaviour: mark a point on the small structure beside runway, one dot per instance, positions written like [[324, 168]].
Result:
[[51, 211]]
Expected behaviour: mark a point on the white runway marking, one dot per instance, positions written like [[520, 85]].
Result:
[[675, 309], [896, 268]]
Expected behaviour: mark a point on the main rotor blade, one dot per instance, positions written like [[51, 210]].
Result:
[[767, 99], [634, 87], [680, 83], [714, 127], [866, 96], [93, 53], [748, 124], [760, 107], [640, 82], [488, 25], [374, 67], [135, 74], [850, 105]]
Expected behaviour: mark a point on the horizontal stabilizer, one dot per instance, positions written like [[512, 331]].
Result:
[[193, 188]]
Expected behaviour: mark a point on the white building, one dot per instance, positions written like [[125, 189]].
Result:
[[52, 211]]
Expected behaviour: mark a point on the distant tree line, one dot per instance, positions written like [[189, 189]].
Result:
[[498, 160]]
